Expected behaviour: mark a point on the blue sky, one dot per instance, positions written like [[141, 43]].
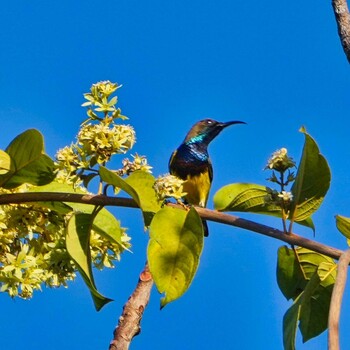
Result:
[[275, 65]]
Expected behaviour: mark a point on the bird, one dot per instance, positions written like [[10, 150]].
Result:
[[191, 162]]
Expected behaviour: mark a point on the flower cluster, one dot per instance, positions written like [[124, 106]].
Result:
[[98, 139], [138, 163], [101, 141], [280, 161], [98, 101], [32, 236], [33, 251], [169, 186]]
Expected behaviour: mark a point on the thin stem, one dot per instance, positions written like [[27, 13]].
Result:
[[290, 226], [282, 180], [284, 223], [283, 204]]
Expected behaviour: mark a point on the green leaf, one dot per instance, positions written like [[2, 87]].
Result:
[[312, 181], [142, 182], [343, 225], [314, 317], [293, 315], [308, 278], [77, 243], [252, 198], [139, 185], [111, 178], [108, 226], [5, 163], [245, 197], [174, 249], [290, 277], [29, 163]]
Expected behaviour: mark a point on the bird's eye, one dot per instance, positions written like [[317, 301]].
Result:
[[209, 121]]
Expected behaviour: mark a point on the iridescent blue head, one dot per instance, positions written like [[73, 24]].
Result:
[[206, 130]]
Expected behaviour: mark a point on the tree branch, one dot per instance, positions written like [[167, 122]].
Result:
[[211, 215], [129, 322], [99, 199], [342, 17], [249, 225], [336, 300]]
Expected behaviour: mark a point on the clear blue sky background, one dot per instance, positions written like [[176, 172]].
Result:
[[277, 65]]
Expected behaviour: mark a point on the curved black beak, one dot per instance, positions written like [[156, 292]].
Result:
[[226, 124]]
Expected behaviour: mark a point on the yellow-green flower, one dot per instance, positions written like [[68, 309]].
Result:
[[286, 196], [138, 163], [169, 186], [280, 161]]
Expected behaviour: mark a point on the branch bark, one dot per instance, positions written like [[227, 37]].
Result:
[[208, 214], [342, 17], [336, 301], [129, 322]]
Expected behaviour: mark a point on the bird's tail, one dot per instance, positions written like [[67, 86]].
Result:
[[205, 228]]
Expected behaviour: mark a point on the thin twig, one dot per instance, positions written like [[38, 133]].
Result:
[[342, 17], [207, 214], [249, 225], [129, 322], [99, 199], [336, 301]]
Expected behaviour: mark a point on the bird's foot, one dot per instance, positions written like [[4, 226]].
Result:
[[184, 205]]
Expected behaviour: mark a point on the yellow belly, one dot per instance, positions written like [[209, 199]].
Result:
[[197, 189]]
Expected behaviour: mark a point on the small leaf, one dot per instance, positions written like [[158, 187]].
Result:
[[290, 277], [113, 179], [312, 181], [139, 185], [108, 226], [293, 315], [314, 317], [142, 182], [77, 243], [5, 163], [29, 164], [174, 249], [245, 197], [343, 225]]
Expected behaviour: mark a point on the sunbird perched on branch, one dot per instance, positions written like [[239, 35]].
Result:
[[191, 162]]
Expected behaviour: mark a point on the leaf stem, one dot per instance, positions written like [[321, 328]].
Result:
[[283, 204]]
